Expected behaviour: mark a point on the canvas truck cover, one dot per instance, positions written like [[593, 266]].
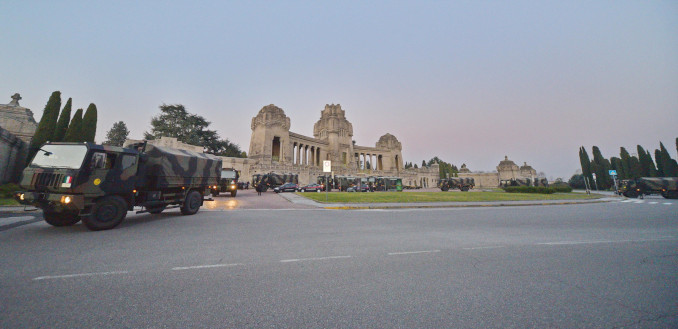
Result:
[[168, 167]]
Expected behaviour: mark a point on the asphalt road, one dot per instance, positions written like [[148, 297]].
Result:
[[606, 265]]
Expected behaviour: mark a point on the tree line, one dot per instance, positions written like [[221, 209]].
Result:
[[627, 166], [55, 127]]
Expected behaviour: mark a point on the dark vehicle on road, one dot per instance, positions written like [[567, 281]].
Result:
[[313, 187], [272, 180], [227, 183], [98, 184], [326, 181], [359, 188], [461, 183], [287, 187], [637, 188], [389, 184]]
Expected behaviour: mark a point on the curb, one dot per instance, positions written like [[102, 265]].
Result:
[[464, 205]]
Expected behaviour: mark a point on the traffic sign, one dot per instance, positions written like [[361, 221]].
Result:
[[327, 166], [613, 173]]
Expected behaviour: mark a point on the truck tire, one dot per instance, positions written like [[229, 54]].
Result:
[[630, 194], [214, 192], [670, 195], [464, 189], [192, 203], [233, 193], [444, 188], [60, 219], [107, 213]]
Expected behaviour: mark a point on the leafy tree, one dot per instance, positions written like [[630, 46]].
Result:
[[62, 124], [577, 181], [415, 166], [423, 163], [117, 135], [175, 121], [636, 170], [47, 124], [74, 132], [89, 123], [617, 165]]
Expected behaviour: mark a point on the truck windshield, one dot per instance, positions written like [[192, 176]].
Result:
[[60, 156], [228, 174]]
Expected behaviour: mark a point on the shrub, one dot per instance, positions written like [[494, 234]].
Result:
[[7, 190]]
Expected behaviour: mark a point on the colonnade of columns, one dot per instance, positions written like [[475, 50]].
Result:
[[306, 155], [375, 161]]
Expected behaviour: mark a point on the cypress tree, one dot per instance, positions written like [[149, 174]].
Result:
[[626, 162], [635, 167], [74, 132], [660, 163], [670, 165], [62, 124], [585, 164], [89, 123], [617, 165], [647, 165], [602, 169], [47, 125]]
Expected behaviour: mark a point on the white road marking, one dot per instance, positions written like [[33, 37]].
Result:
[[561, 243], [639, 201], [653, 202], [626, 201], [315, 258], [412, 252], [77, 275], [19, 218], [204, 266], [485, 247], [668, 203]]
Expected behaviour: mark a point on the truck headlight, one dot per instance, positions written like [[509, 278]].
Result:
[[22, 196], [66, 199], [233, 187]]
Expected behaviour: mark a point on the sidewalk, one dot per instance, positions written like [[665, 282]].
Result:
[[297, 199]]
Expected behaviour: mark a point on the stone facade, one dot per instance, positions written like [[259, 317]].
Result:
[[13, 153], [18, 120], [506, 170], [275, 148]]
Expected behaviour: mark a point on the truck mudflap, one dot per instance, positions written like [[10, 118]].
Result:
[[54, 202]]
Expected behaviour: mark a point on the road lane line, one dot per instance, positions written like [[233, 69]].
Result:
[[204, 266], [77, 275], [668, 203], [314, 258], [561, 243], [485, 247], [653, 202], [626, 201], [412, 252]]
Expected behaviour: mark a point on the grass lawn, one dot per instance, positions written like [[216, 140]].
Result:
[[8, 202], [404, 197]]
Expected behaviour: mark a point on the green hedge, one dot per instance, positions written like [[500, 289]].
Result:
[[537, 189], [7, 190]]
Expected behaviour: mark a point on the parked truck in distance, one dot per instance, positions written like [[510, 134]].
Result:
[[665, 186], [463, 184], [98, 184], [227, 183]]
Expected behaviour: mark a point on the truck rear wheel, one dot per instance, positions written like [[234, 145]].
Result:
[[60, 219], [233, 193], [106, 214], [192, 203], [444, 188], [670, 195]]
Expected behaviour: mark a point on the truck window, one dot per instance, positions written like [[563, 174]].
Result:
[[98, 160], [128, 161]]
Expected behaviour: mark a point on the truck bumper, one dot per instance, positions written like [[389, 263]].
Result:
[[54, 202]]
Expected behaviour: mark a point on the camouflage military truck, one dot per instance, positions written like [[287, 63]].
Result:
[[272, 180], [665, 186], [98, 184], [463, 184], [227, 183]]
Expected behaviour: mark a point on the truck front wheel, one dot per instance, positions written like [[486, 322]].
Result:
[[106, 214], [192, 203], [60, 219], [444, 188], [233, 193]]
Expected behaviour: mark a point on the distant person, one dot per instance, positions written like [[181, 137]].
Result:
[[247, 185], [259, 188]]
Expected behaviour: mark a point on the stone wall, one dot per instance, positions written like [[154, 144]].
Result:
[[13, 153], [483, 180]]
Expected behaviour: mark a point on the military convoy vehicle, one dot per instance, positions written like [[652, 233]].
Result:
[[98, 184], [464, 184], [525, 182], [637, 188], [227, 183], [273, 180]]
